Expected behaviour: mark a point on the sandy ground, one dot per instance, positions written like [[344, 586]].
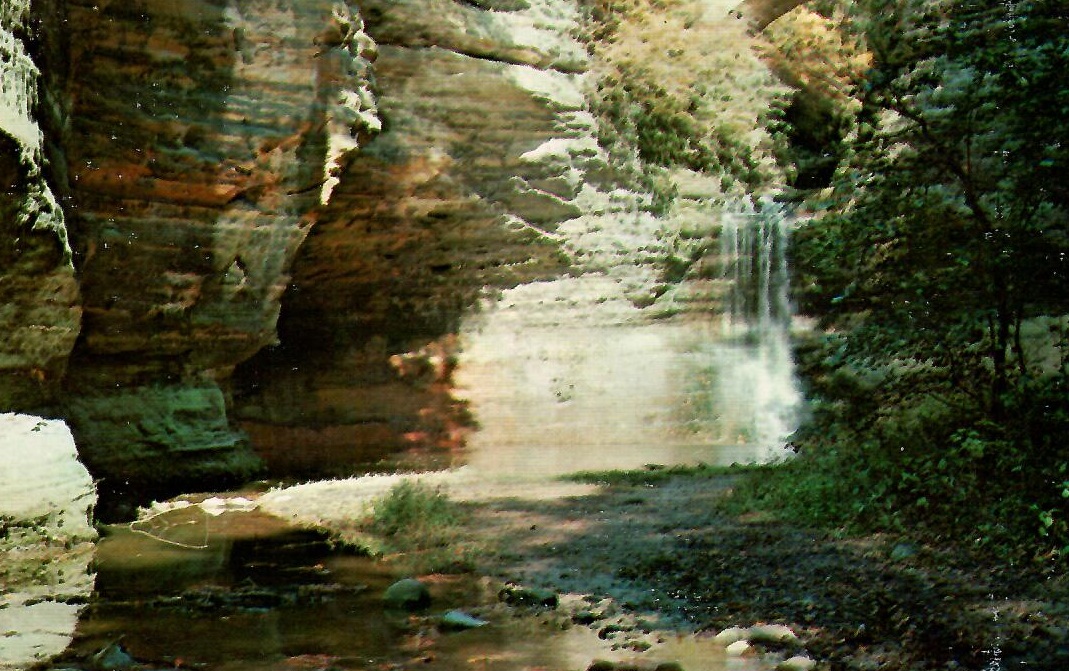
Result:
[[661, 558]]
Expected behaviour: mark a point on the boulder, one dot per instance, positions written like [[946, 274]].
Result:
[[730, 635], [46, 539], [457, 620], [771, 633], [796, 663], [407, 594], [516, 595]]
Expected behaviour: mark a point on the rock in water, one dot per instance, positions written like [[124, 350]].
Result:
[[407, 594], [112, 658], [515, 595], [457, 620]]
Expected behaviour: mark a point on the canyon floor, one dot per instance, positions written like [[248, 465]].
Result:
[[666, 555], [643, 571]]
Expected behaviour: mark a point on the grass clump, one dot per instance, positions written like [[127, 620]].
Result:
[[413, 509], [419, 526]]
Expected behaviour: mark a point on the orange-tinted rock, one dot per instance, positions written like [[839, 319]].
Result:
[[428, 213], [197, 150]]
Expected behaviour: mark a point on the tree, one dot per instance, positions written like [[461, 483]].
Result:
[[942, 254]]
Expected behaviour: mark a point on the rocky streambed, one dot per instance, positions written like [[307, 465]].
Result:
[[216, 583], [642, 571], [663, 550]]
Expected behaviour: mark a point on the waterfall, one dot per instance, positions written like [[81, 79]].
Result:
[[753, 246], [757, 321]]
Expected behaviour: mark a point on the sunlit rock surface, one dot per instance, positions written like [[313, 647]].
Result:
[[46, 540], [284, 219], [443, 202], [39, 301], [203, 136]]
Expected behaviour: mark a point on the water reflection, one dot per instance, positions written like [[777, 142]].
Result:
[[261, 595]]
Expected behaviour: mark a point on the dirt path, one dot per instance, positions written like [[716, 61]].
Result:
[[662, 553]]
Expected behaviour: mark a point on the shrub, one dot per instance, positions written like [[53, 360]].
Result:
[[872, 459], [419, 526]]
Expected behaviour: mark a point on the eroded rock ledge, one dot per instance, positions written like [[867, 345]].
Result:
[[194, 146], [241, 231]]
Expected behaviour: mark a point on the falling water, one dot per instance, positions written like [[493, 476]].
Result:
[[757, 318], [754, 248]]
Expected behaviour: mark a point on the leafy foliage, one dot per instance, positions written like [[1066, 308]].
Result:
[[666, 100], [667, 130], [939, 262]]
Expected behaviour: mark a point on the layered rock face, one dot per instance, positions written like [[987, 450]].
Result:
[[276, 216], [39, 301], [197, 153], [195, 145], [444, 201]]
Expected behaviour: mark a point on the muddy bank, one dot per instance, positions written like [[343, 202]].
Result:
[[664, 554]]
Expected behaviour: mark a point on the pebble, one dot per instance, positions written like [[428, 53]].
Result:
[[796, 663], [112, 658], [730, 635], [902, 551], [771, 633], [458, 619], [409, 594], [738, 648]]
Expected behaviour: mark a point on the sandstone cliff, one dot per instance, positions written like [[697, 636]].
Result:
[[39, 300], [201, 141], [438, 205], [240, 230]]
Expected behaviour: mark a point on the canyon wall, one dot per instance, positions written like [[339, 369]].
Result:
[[39, 299], [194, 146], [440, 204], [197, 152], [248, 232]]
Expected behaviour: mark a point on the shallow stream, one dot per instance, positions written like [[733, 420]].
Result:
[[243, 591]]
